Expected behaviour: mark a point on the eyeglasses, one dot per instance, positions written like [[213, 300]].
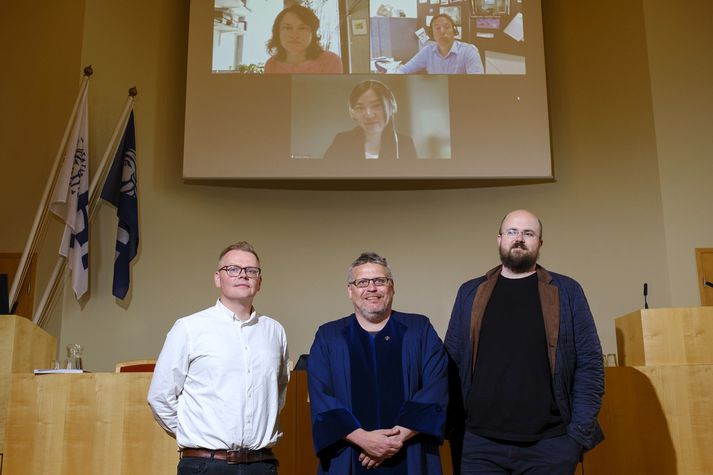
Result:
[[378, 281], [234, 271], [513, 233]]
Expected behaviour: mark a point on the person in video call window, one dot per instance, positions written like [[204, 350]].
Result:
[[447, 55], [373, 106], [294, 46]]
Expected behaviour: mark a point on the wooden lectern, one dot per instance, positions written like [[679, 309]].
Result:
[[657, 414], [665, 336], [23, 347]]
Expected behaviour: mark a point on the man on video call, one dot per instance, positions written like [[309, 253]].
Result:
[[447, 55]]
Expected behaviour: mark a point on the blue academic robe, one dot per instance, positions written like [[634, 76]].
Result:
[[425, 386]]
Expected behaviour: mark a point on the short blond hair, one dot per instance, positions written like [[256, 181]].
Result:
[[239, 246]]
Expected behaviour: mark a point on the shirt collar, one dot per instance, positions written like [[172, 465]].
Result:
[[224, 311], [455, 47]]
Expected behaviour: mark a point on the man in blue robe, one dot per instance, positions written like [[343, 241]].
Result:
[[378, 383]]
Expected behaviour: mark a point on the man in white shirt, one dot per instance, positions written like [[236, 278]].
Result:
[[221, 377]]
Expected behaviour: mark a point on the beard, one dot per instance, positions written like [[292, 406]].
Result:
[[519, 263]]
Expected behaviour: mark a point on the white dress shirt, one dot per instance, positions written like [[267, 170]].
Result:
[[220, 382]]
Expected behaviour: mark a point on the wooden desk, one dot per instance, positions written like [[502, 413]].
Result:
[[100, 423], [656, 420], [84, 424]]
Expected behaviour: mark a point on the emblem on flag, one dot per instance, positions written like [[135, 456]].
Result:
[[120, 189], [70, 201]]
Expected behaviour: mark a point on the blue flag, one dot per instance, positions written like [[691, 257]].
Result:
[[120, 189]]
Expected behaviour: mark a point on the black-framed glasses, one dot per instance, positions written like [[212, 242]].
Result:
[[235, 271], [512, 233], [378, 281]]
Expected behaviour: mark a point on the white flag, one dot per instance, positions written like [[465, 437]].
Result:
[[70, 201]]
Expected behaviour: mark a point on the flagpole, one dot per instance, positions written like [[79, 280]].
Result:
[[50, 293], [51, 290], [40, 215]]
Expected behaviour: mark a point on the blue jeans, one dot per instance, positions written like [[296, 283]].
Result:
[[191, 465], [553, 456]]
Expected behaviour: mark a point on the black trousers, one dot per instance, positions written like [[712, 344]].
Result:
[[553, 456]]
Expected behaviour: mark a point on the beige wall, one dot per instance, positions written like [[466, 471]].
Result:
[[611, 220], [40, 60], [681, 65]]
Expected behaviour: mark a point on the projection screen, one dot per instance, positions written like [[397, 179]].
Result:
[[380, 100]]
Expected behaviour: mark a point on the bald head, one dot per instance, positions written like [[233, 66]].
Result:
[[521, 216]]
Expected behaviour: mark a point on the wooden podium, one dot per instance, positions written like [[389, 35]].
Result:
[[100, 423], [657, 414], [23, 347]]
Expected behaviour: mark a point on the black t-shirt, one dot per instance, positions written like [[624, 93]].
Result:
[[511, 396]]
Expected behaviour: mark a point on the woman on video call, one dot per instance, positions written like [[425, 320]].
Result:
[[294, 46], [372, 105]]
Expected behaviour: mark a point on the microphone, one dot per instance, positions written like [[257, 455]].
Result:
[[708, 284], [646, 294]]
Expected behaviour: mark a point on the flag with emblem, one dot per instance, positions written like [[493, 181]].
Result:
[[70, 200], [120, 190]]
